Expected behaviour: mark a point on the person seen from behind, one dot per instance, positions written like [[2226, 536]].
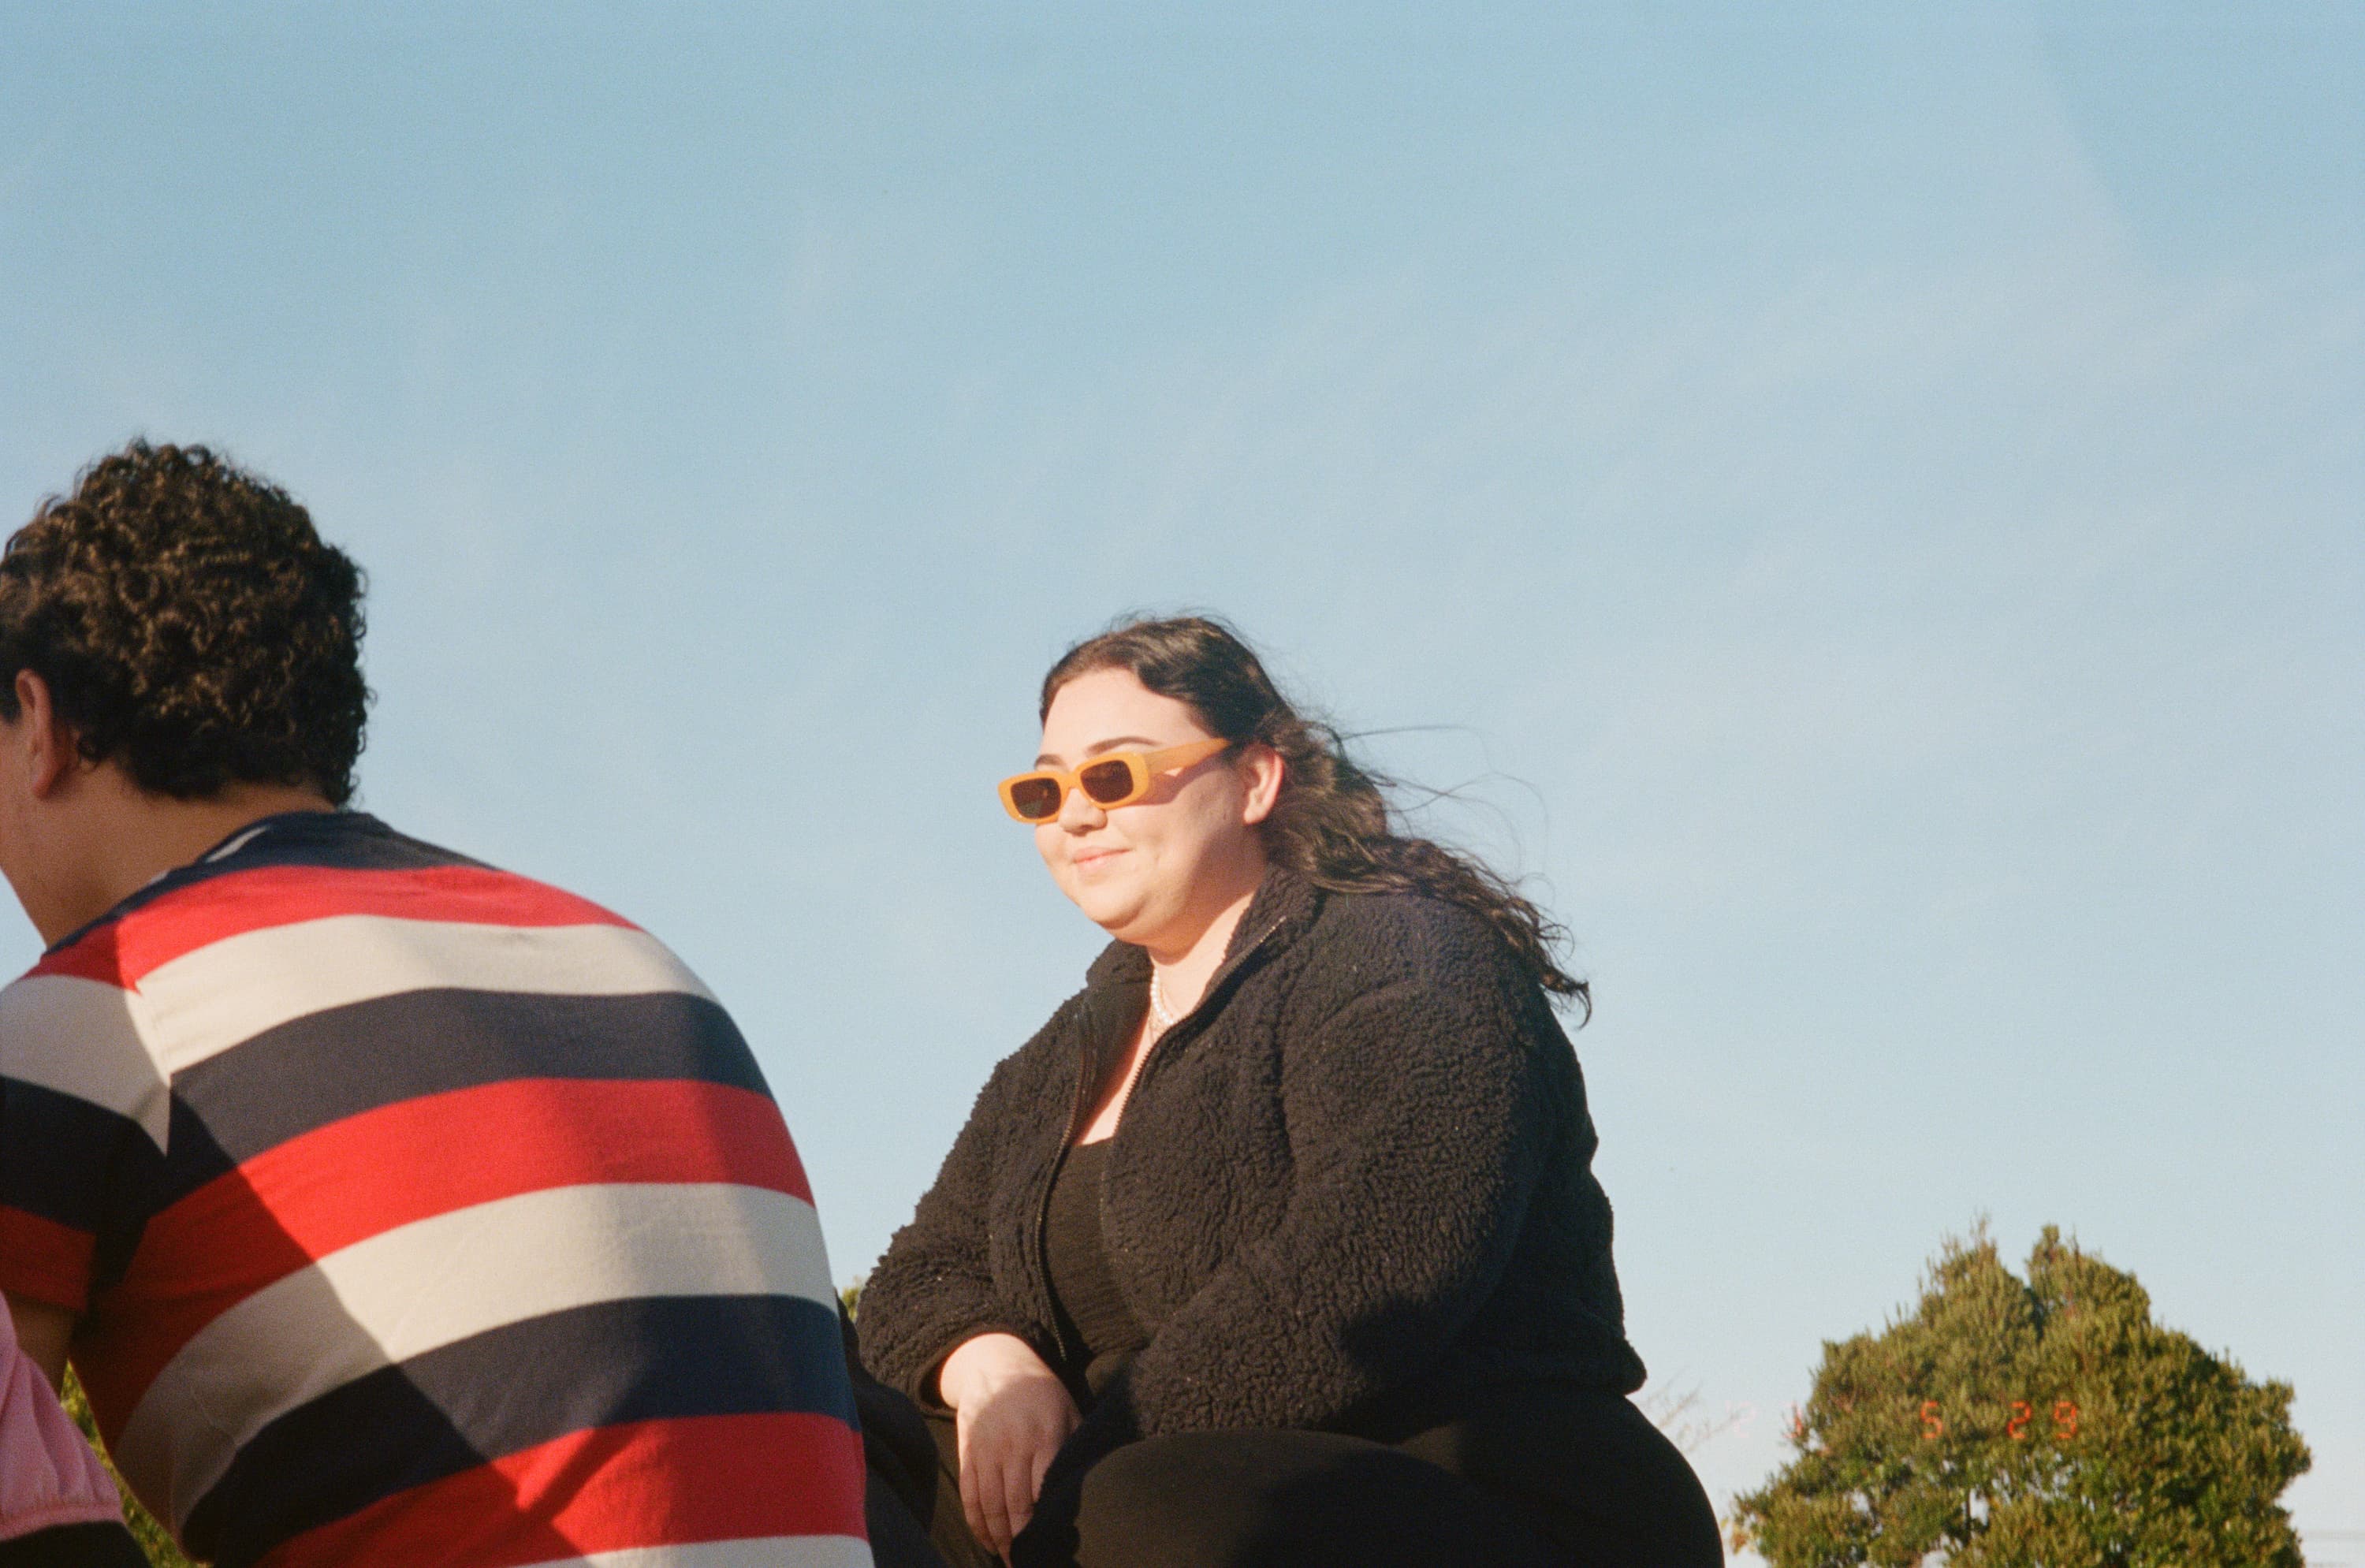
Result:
[[396, 1211], [1280, 1243]]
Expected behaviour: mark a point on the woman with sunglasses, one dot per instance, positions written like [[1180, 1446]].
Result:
[[1280, 1242]]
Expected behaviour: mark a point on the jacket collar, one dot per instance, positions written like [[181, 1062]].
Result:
[[1284, 904], [1117, 988]]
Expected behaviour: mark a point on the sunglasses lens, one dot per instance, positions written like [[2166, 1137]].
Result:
[[1106, 782], [1037, 799]]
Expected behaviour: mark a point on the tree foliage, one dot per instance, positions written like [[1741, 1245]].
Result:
[[2044, 1423]]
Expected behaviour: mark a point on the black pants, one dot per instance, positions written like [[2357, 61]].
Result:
[[1265, 1499], [73, 1546]]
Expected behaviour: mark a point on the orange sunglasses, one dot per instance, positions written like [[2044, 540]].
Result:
[[1118, 778]]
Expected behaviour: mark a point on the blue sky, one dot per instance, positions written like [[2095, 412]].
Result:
[[1866, 511]]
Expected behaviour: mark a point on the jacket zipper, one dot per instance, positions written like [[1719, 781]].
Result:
[[1040, 1249], [1215, 984]]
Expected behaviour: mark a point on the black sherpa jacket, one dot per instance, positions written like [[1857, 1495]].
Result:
[[1360, 1167]]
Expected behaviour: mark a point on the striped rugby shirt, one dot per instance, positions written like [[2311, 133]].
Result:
[[420, 1213]]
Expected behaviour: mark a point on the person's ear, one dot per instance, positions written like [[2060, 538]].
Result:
[[1261, 769], [48, 748]]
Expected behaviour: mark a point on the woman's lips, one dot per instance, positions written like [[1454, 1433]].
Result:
[[1092, 859]]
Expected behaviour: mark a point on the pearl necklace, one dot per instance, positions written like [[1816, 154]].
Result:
[[1157, 1008]]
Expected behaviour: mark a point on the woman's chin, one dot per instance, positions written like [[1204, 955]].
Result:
[[1130, 920], [1113, 909]]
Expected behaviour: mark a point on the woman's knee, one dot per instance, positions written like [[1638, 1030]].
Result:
[[1260, 1499], [1169, 1502]]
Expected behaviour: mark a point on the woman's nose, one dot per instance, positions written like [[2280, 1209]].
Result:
[[1079, 812]]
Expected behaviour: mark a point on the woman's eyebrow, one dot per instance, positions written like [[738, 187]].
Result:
[[1051, 759]]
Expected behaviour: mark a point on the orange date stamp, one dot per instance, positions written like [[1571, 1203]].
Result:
[[2016, 1424]]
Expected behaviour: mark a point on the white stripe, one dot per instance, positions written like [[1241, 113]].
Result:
[[84, 1037], [226, 992], [774, 1552], [421, 1286], [119, 1049]]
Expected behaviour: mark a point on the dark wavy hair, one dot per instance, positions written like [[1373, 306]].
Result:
[[1333, 823], [191, 624]]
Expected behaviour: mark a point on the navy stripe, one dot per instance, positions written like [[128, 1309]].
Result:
[[342, 841], [341, 1061], [511, 1389], [56, 1150], [334, 841], [70, 1162]]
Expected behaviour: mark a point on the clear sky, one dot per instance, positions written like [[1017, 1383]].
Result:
[[1870, 510]]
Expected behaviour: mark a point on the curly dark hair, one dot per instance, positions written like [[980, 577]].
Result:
[[1333, 823], [191, 624]]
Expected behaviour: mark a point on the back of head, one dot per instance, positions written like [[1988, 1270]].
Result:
[[1332, 823], [191, 625]]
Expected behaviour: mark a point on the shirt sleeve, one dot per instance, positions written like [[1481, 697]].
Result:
[[49, 1477], [83, 1110], [935, 1288]]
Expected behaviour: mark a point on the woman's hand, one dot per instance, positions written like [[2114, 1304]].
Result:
[[1011, 1414]]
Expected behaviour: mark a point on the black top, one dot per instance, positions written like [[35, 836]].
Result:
[[1360, 1171], [1096, 1328]]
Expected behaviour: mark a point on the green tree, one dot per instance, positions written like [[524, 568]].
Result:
[[2044, 1423]]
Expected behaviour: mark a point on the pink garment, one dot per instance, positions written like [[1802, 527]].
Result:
[[48, 1474]]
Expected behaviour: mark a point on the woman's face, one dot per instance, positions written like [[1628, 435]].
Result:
[[1158, 872]]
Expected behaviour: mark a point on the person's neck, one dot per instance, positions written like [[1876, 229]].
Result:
[[118, 838], [1185, 963]]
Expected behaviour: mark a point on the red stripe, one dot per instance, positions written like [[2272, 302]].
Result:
[[408, 1161], [122, 951], [44, 1261], [652, 1483]]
